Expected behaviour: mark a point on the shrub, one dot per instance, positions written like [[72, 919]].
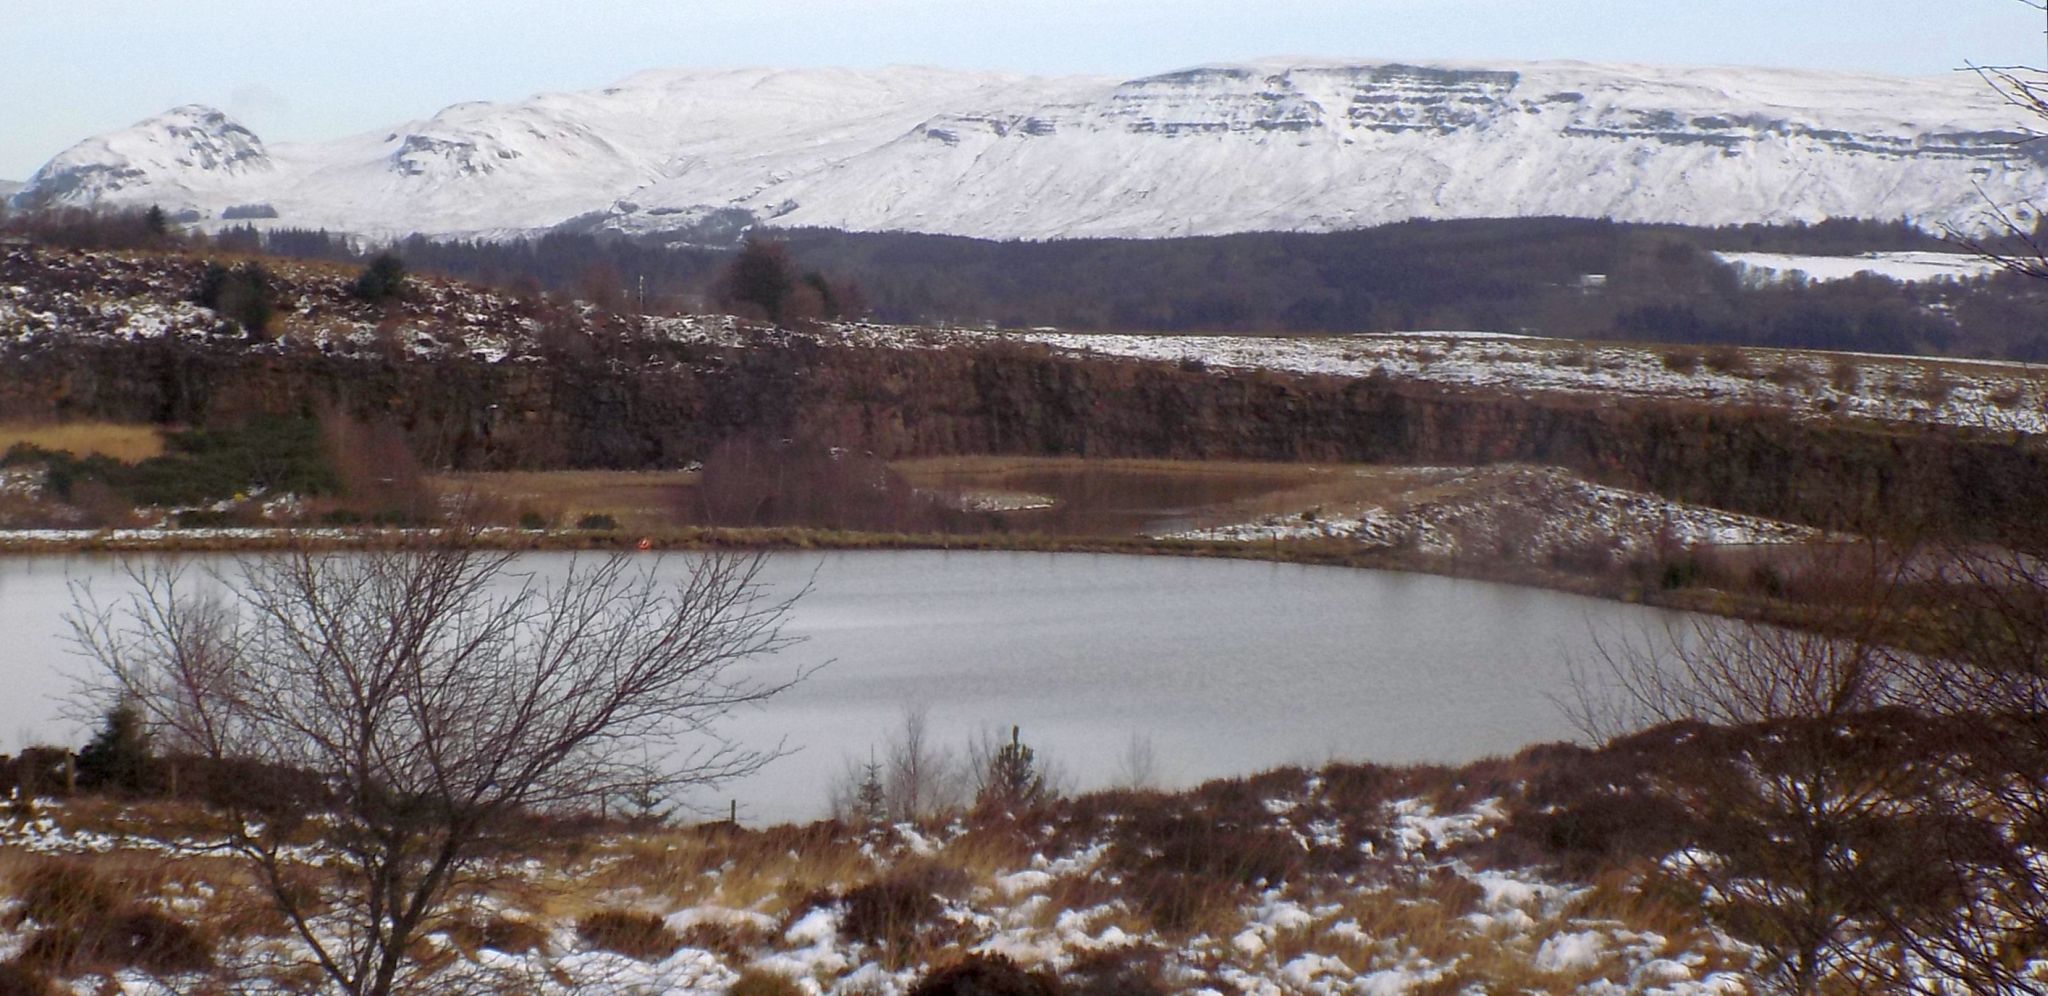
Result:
[[1683, 572], [64, 890], [201, 465], [986, 975], [1845, 376], [734, 940], [1132, 970], [532, 520], [202, 518], [1789, 374], [382, 280], [1683, 361], [245, 294], [89, 923], [1186, 861], [764, 982], [138, 938], [760, 279], [17, 979], [629, 932], [597, 521], [1931, 387], [894, 910], [500, 934], [118, 757], [1727, 360]]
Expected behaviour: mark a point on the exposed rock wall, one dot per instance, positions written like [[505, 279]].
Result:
[[668, 410]]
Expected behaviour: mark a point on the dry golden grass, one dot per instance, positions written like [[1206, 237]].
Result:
[[119, 441], [639, 501], [1238, 491], [937, 471], [770, 872], [614, 884]]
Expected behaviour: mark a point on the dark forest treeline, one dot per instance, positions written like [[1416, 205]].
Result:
[[1653, 283]]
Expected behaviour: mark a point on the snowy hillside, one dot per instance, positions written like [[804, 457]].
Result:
[[1281, 145]]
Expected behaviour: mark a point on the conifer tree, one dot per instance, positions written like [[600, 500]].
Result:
[[1013, 779], [871, 800], [118, 757], [382, 280]]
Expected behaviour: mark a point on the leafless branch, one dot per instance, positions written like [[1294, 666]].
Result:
[[432, 695]]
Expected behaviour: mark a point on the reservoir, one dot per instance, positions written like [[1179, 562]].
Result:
[[1219, 667]]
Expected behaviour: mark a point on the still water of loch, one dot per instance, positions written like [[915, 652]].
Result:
[[1224, 667]]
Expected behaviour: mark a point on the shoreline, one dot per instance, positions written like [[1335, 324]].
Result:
[[1302, 552]]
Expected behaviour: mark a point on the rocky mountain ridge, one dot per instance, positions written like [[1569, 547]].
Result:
[[1279, 145]]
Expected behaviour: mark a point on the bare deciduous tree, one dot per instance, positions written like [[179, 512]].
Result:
[[923, 777], [1872, 795], [2024, 88], [435, 697], [1137, 766], [1798, 775], [1988, 678]]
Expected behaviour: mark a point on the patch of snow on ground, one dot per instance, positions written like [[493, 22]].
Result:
[[1552, 510], [1905, 267], [1997, 395]]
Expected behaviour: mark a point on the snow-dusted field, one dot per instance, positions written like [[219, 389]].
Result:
[[2008, 397], [1382, 901], [1541, 511], [1905, 267]]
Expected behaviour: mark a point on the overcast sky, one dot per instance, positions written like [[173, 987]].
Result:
[[299, 69]]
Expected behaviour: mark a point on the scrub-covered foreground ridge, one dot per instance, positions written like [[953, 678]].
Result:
[[1267, 146], [1641, 867], [1349, 880]]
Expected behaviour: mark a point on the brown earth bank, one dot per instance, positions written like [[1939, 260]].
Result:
[[642, 405]]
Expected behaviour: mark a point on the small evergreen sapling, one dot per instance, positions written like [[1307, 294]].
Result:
[[871, 799], [1013, 779]]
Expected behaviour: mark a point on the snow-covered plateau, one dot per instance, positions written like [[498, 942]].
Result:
[[1270, 146]]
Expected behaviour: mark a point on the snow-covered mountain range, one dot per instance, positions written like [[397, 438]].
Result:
[[1279, 145]]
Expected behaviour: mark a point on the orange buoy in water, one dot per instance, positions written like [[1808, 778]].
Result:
[[645, 543]]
